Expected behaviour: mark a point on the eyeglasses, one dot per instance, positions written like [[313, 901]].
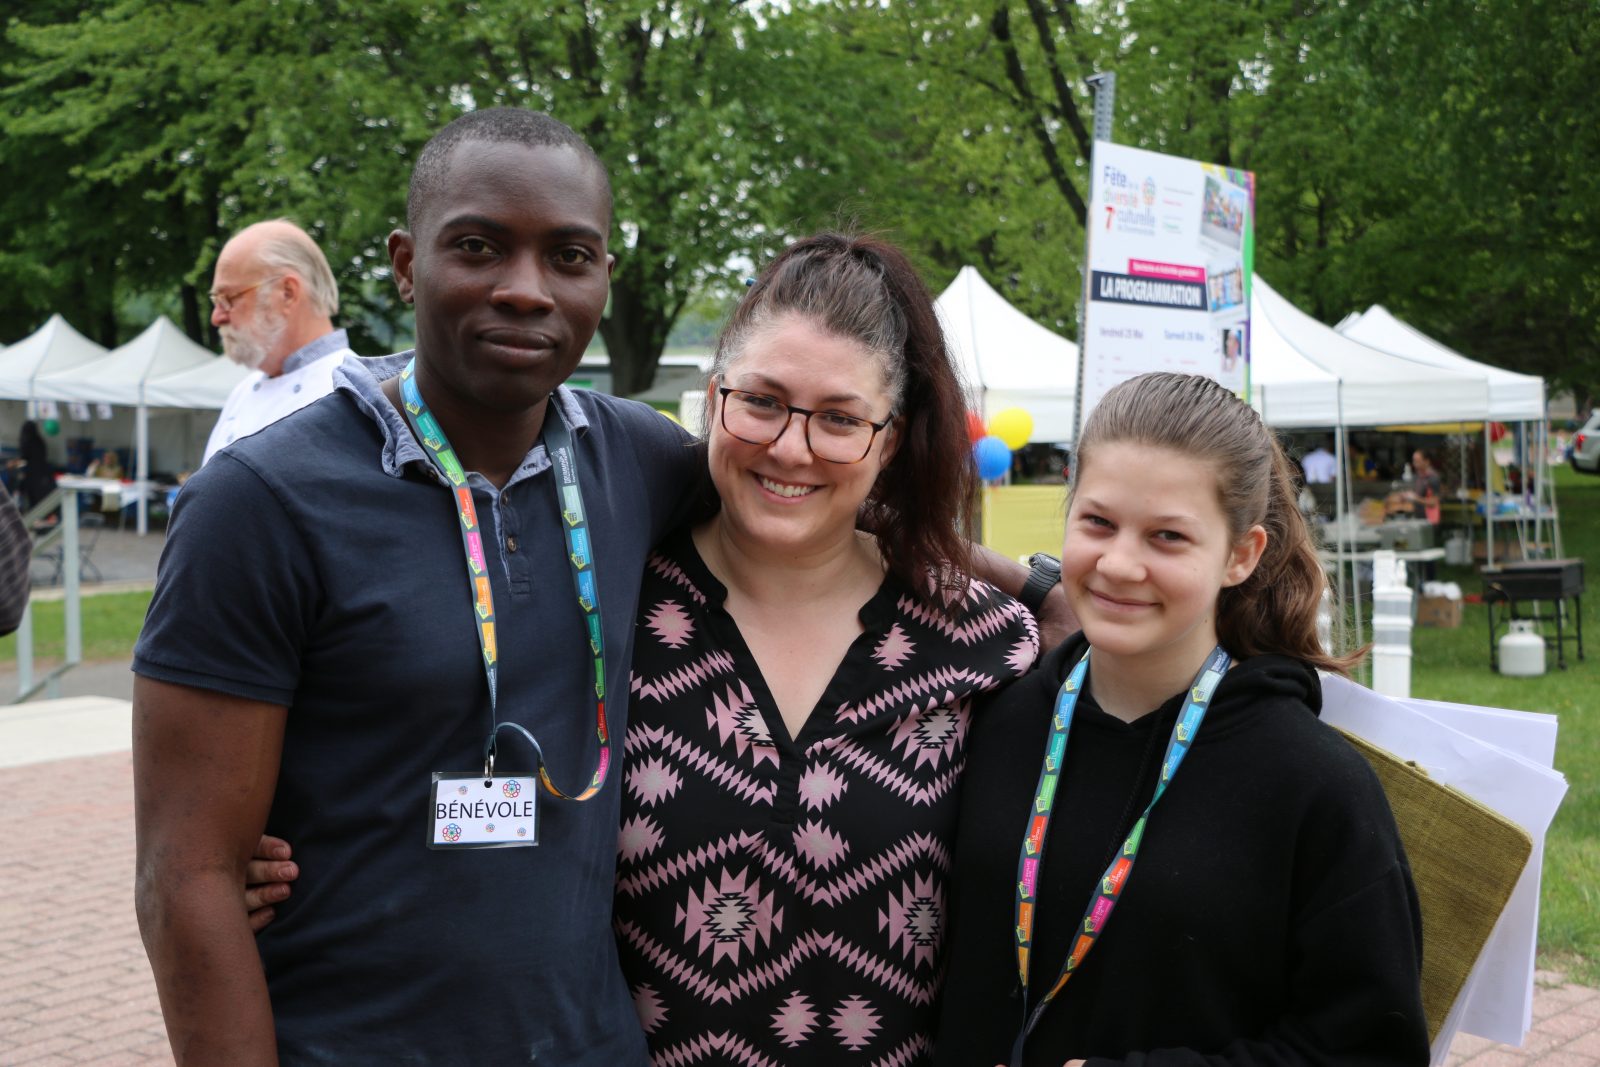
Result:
[[760, 420], [224, 301]]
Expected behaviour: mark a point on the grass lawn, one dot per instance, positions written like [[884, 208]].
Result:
[[1447, 665], [1454, 665], [110, 625]]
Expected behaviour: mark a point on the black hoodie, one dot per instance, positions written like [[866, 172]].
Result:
[[1269, 919]]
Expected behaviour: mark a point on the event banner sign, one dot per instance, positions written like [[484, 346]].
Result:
[[1171, 244]]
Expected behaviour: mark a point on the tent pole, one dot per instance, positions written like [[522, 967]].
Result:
[[1549, 484], [142, 465], [1543, 491], [1487, 500], [1344, 559], [1347, 530], [1339, 476], [1533, 448], [1523, 494]]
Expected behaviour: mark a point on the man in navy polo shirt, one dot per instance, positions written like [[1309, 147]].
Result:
[[416, 572]]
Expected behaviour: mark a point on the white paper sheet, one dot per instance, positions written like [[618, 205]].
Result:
[[1526, 733], [1510, 775]]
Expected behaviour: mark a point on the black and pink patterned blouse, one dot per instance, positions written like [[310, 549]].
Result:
[[782, 901]]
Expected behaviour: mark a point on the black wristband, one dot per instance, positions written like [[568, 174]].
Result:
[[1044, 571]]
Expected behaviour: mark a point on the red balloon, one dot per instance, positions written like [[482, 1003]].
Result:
[[975, 430]]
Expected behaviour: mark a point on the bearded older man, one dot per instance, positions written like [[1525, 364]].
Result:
[[273, 299]]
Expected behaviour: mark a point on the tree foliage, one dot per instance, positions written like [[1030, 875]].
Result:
[[147, 132], [1438, 158]]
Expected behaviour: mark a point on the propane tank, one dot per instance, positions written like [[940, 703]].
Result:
[[1522, 650]]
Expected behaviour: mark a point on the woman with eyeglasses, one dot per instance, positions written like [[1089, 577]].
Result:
[[804, 673]]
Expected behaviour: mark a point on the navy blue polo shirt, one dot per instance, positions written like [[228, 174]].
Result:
[[318, 565]]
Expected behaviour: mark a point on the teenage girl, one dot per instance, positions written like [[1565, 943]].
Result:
[[1163, 856]]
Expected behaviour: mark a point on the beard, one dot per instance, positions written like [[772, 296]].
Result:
[[249, 345]]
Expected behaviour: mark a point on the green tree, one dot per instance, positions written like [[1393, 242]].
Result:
[[969, 181], [1483, 128], [166, 126], [146, 132]]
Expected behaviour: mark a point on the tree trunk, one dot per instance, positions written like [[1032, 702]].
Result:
[[194, 326], [102, 311], [635, 335], [106, 329]]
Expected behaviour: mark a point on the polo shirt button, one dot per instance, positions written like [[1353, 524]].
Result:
[[511, 544], [297, 388], [256, 388]]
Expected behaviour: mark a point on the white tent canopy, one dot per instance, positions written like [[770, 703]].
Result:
[[1007, 359], [1513, 397], [122, 376], [1306, 374], [203, 385], [1303, 373], [159, 368], [55, 347]]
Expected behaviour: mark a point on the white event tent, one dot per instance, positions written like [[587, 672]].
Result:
[[1306, 374], [131, 373], [1513, 397], [161, 368], [53, 347], [1008, 360], [121, 376], [198, 386]]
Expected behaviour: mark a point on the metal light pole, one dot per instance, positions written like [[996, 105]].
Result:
[[1104, 88]]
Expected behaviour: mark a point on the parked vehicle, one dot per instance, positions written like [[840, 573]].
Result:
[[1586, 446]]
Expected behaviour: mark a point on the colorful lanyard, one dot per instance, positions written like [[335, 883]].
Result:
[[1115, 878], [564, 461]]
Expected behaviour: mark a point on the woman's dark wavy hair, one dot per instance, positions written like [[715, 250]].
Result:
[[1275, 609], [865, 290]]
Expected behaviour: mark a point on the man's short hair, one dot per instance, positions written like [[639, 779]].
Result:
[[513, 125], [294, 251]]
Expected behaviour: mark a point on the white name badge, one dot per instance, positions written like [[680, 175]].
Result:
[[472, 811]]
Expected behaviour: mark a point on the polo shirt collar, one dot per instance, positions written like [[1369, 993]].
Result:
[[306, 354], [360, 377]]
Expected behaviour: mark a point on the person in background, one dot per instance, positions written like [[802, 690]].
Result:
[[1304, 499], [1164, 857], [1319, 464], [16, 552], [1561, 443], [1426, 487], [38, 478], [273, 299], [107, 465]]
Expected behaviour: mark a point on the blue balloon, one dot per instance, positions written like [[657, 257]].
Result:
[[993, 457]]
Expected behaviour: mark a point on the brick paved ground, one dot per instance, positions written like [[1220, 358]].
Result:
[[75, 987], [74, 984]]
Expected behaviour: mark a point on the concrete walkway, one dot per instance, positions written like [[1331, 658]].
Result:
[[75, 987], [123, 559]]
